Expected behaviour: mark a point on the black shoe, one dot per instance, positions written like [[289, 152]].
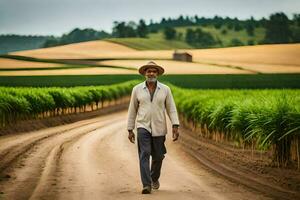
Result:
[[155, 185], [146, 190]]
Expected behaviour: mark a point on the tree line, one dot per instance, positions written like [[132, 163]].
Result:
[[13, 42], [76, 35], [279, 29]]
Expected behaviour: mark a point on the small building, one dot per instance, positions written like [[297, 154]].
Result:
[[182, 56]]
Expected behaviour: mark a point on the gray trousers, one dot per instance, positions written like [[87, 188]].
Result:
[[154, 147]]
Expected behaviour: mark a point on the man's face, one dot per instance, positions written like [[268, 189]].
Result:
[[151, 74]]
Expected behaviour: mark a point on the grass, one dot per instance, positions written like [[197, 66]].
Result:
[[219, 81], [156, 41], [150, 43], [65, 80], [241, 35], [235, 81], [27, 58]]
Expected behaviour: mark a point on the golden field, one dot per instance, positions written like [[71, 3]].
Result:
[[177, 67], [78, 50], [280, 58], [78, 71], [18, 64], [277, 54]]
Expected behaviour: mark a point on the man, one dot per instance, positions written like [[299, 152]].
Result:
[[149, 101]]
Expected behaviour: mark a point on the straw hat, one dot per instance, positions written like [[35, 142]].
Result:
[[151, 64]]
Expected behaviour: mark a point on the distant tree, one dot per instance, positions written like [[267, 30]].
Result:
[[224, 32], [76, 35], [190, 36], [122, 30], [219, 41], [119, 29], [217, 22], [237, 26], [131, 28], [13, 42], [179, 36], [51, 42], [296, 19], [250, 42], [218, 25], [236, 42], [180, 21], [142, 29], [79, 35], [199, 38], [169, 33], [262, 22], [296, 35], [277, 29], [163, 21], [196, 19], [230, 26], [250, 29]]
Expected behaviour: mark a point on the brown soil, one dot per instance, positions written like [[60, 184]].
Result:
[[243, 166], [37, 124]]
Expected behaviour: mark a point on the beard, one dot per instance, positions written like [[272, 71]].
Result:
[[152, 79]]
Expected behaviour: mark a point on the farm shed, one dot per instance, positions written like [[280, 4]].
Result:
[[182, 56]]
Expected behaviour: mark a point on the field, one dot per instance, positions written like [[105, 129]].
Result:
[[175, 67], [259, 34], [260, 119], [281, 58], [262, 58], [156, 41], [211, 81], [151, 43], [70, 71], [78, 50], [239, 107], [245, 118], [24, 103], [19, 64], [212, 68]]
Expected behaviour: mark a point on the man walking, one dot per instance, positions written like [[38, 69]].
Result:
[[149, 101]]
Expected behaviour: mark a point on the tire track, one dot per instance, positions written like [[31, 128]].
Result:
[[191, 146], [33, 162], [13, 152], [52, 165]]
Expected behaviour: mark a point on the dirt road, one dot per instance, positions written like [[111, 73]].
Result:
[[93, 159]]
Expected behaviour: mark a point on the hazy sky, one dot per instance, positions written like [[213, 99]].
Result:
[[45, 17]]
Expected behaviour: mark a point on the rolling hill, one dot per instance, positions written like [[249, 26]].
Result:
[[282, 58]]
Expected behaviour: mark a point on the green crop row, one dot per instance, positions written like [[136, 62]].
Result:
[[27, 103], [199, 81], [267, 119]]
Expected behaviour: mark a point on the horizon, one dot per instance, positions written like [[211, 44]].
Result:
[[147, 22], [56, 17]]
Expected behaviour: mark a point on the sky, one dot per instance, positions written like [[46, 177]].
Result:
[[55, 17]]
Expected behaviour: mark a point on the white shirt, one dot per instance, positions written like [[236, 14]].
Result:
[[151, 114]]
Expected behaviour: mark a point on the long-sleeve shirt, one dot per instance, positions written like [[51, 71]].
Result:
[[150, 114]]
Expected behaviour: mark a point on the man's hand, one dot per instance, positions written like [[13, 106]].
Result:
[[175, 133], [131, 136]]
